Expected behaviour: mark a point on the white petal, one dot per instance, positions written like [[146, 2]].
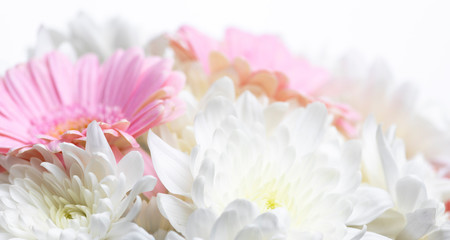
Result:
[[99, 224], [48, 156], [310, 129], [207, 122], [96, 142], [284, 219], [273, 115], [387, 160], [223, 87], [53, 233], [439, 234], [67, 49], [355, 234], [368, 204], [247, 211], [44, 43], [132, 165], [69, 234], [226, 227], [250, 233], [410, 193], [200, 224], [268, 224], [389, 224], [175, 210], [19, 195], [127, 230], [59, 174], [75, 158], [133, 211], [419, 223], [165, 133], [350, 177], [89, 36], [100, 166], [198, 192], [374, 236], [123, 33], [249, 109], [145, 184], [171, 165]]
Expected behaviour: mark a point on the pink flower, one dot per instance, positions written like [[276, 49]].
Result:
[[264, 52], [260, 64], [52, 100]]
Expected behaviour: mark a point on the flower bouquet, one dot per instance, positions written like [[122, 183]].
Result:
[[191, 137]]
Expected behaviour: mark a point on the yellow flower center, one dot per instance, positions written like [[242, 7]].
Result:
[[272, 203], [269, 196], [64, 214], [78, 124]]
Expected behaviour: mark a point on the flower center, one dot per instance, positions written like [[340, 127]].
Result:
[[79, 125], [70, 215], [75, 118], [268, 197], [272, 203]]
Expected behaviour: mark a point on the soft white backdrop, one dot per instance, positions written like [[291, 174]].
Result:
[[412, 35]]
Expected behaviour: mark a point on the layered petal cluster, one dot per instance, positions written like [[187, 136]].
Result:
[[87, 36], [258, 144], [88, 196], [260, 64], [421, 125], [52, 99], [259, 171], [371, 89], [413, 187], [246, 51]]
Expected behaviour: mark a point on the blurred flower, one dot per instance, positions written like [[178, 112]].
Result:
[[192, 49], [89, 196], [260, 64], [86, 36], [371, 89], [251, 55], [293, 168], [417, 211]]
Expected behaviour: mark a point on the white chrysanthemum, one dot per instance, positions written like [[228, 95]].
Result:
[[240, 213], [371, 90], [179, 133], [86, 36], [90, 197], [289, 173], [409, 185]]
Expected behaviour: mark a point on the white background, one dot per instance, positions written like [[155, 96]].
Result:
[[412, 35]]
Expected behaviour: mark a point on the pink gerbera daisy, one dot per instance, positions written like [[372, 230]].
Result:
[[52, 100]]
